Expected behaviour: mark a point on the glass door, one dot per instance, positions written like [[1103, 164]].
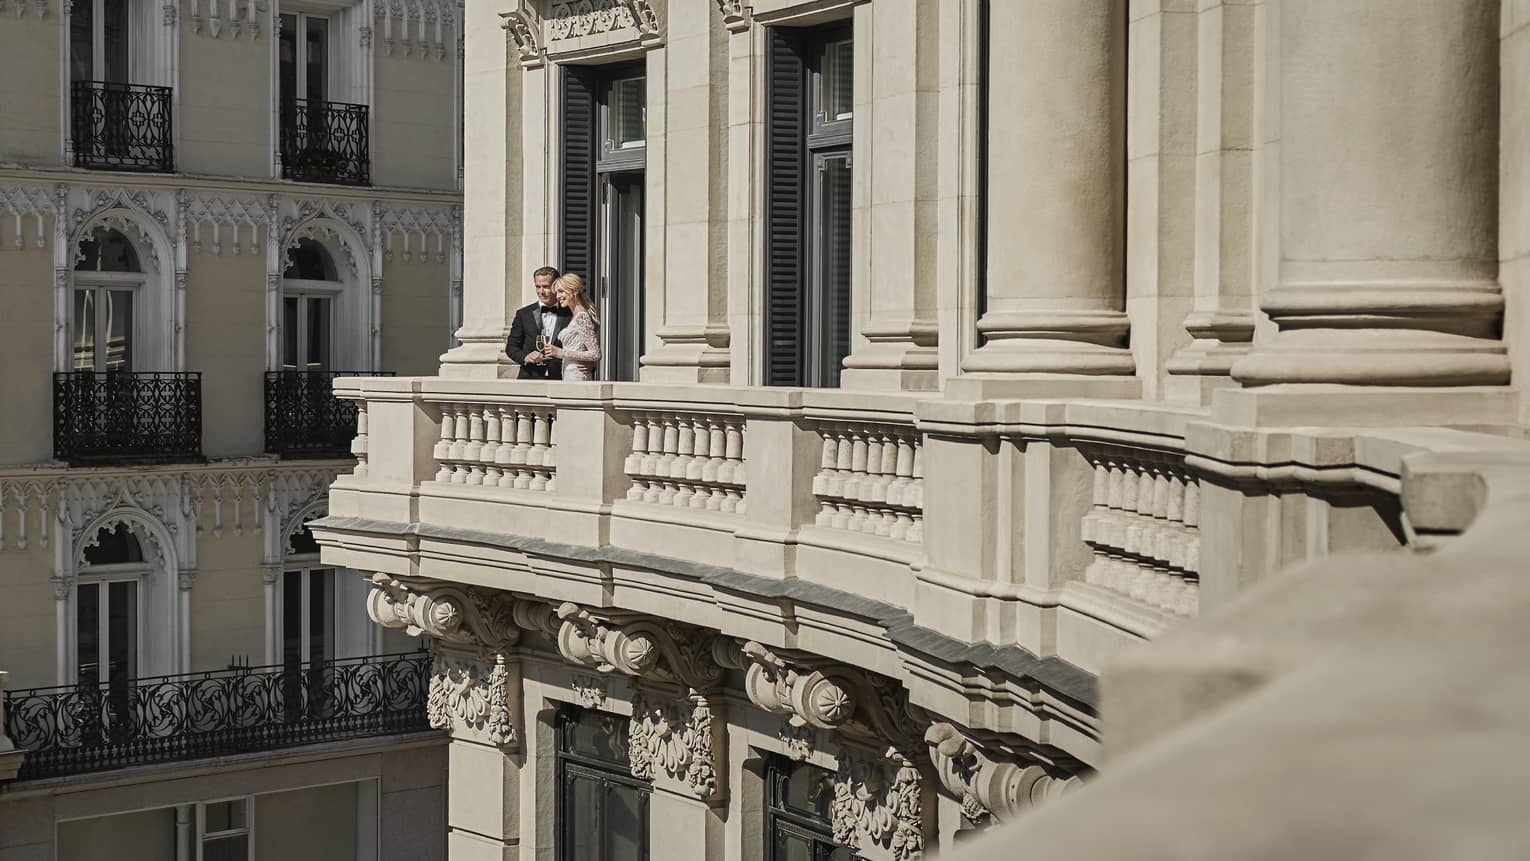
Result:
[[308, 640], [307, 332], [106, 646], [620, 291]]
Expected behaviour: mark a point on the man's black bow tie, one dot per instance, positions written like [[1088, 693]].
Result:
[[551, 308]]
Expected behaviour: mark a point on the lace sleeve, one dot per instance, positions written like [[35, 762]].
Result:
[[583, 327]]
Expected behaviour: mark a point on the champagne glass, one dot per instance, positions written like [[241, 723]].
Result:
[[542, 347]]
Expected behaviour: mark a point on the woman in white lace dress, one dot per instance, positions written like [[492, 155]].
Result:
[[580, 350]]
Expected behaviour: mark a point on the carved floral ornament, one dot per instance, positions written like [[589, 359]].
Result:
[[472, 697], [571, 19], [986, 785], [677, 739], [879, 801]]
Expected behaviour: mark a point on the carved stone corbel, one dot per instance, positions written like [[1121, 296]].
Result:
[[524, 29], [879, 801], [644, 19], [736, 14], [480, 619], [637, 646], [1003, 787], [805, 696]]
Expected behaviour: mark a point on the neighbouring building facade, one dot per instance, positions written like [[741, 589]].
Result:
[[953, 349], [209, 209]]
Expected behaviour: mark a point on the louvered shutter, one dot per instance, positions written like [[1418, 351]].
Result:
[[785, 164], [577, 203]]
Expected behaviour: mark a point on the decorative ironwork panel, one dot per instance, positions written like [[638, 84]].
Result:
[[326, 142], [303, 416], [121, 126], [97, 727], [118, 416]]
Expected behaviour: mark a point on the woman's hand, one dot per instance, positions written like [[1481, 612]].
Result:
[[552, 350]]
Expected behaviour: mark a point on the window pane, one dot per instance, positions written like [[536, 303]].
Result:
[[834, 274], [629, 111], [321, 585], [837, 80], [316, 44], [87, 623], [318, 333], [292, 618], [599, 736], [581, 809], [119, 329], [792, 847], [234, 848], [84, 330], [290, 333], [287, 58], [807, 789], [122, 631], [116, 40], [114, 546], [626, 828], [82, 47]]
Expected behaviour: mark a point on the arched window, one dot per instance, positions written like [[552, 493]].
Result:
[[107, 629], [108, 279], [310, 285]]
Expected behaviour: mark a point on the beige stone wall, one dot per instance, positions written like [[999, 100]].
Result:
[[414, 316], [26, 349], [412, 124], [144, 835], [319, 822], [27, 614], [228, 616], [225, 128], [1514, 189], [29, 89], [226, 341]]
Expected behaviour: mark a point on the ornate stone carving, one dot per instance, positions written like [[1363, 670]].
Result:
[[589, 691], [637, 646], [800, 740], [28, 202], [523, 28], [220, 213], [806, 696], [678, 740], [418, 226], [736, 14], [481, 619], [571, 19], [877, 800], [472, 697], [1002, 786]]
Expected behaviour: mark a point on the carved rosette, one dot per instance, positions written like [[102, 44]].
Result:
[[878, 802], [1001, 786], [677, 740], [481, 619], [637, 646], [471, 698]]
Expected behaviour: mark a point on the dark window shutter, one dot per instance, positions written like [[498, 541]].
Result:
[[577, 203], [785, 164]]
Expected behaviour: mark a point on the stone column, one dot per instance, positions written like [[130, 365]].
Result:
[[1055, 318], [1388, 178], [897, 87], [491, 181], [687, 199]]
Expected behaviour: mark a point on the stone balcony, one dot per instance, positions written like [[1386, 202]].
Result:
[[992, 556]]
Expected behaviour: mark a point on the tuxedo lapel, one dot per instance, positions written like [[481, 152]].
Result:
[[560, 321]]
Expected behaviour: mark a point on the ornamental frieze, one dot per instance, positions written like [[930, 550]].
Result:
[[571, 19]]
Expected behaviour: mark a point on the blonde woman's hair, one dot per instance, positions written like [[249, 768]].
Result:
[[574, 286]]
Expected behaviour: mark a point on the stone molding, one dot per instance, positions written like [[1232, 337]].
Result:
[[736, 14], [524, 28], [637, 646], [878, 801], [472, 698], [571, 19], [990, 783], [462, 617], [812, 692], [211, 18]]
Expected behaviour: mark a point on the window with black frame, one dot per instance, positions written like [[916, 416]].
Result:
[[605, 113], [602, 810], [798, 796], [809, 92]]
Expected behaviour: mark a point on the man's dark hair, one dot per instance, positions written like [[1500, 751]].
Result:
[[545, 270]]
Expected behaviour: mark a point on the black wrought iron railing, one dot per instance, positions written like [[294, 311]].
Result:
[[90, 727], [326, 142], [127, 416], [121, 126], [303, 416]]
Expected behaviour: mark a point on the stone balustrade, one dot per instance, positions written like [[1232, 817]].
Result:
[[895, 531], [497, 445], [688, 460], [1143, 529], [871, 480]]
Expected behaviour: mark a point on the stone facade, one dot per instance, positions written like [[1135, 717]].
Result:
[[210, 213]]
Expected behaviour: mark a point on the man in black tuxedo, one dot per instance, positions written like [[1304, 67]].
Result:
[[542, 317]]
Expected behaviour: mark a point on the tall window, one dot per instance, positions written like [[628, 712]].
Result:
[[98, 41], [307, 625], [809, 92], [107, 278], [303, 58], [309, 287], [797, 813], [602, 811], [605, 127], [106, 623]]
